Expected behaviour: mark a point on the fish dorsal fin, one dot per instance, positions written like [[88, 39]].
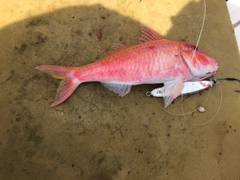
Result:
[[148, 34], [115, 47], [120, 89]]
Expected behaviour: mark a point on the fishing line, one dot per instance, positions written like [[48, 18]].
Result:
[[220, 88], [219, 107], [198, 106], [194, 52], [203, 22], [190, 112], [198, 40]]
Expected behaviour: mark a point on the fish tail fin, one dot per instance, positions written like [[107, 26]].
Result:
[[58, 72], [66, 86]]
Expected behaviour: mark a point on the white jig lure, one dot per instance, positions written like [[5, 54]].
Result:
[[189, 88]]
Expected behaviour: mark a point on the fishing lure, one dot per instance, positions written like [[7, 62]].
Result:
[[189, 88]]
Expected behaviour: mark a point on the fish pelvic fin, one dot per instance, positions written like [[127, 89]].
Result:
[[120, 89], [68, 84], [172, 89]]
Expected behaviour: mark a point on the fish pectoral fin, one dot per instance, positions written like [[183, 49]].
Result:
[[148, 34], [120, 89], [172, 89]]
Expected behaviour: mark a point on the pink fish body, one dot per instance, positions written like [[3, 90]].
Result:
[[153, 60]]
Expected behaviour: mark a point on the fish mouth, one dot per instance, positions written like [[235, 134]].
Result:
[[209, 74], [212, 73], [205, 77]]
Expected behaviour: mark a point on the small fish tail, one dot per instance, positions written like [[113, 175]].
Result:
[[66, 86]]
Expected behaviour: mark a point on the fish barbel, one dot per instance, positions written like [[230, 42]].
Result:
[[154, 60]]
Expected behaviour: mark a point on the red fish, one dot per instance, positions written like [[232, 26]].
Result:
[[154, 60]]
